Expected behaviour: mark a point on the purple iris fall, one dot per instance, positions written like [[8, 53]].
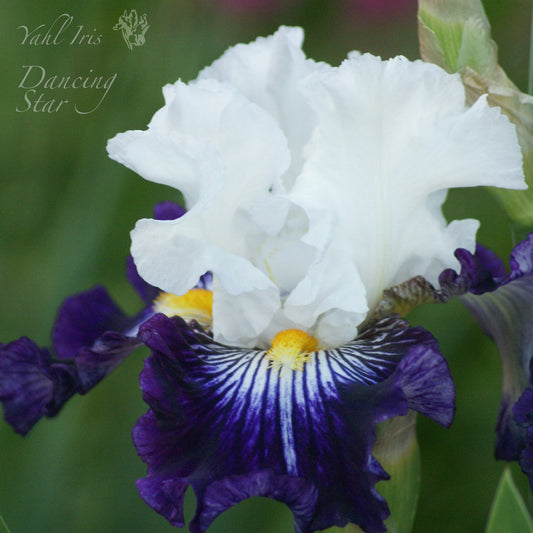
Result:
[[502, 303], [310, 190]]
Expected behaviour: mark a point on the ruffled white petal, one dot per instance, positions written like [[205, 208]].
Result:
[[311, 188], [270, 72], [206, 136], [222, 152], [390, 136]]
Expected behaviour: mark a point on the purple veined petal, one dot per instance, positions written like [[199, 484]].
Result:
[[521, 260], [90, 337], [299, 495], [31, 386], [224, 422], [96, 362], [83, 318], [522, 416], [506, 315], [163, 493], [480, 272], [502, 304]]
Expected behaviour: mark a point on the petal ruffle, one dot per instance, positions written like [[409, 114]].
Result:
[[83, 318], [31, 386], [224, 422], [162, 211], [503, 306], [90, 338], [392, 137], [270, 72], [355, 165], [206, 141]]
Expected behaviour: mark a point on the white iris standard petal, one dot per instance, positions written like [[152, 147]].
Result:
[[392, 137], [231, 155], [269, 72], [310, 188]]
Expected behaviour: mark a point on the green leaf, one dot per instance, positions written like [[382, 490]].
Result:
[[456, 36], [3, 526], [508, 513]]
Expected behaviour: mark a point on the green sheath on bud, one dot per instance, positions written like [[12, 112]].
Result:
[[455, 34]]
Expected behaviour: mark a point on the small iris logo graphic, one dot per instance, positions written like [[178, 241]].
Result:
[[133, 28]]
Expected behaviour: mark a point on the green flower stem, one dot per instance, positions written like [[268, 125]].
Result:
[[397, 451]]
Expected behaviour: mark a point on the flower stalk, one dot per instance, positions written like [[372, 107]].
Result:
[[397, 450]]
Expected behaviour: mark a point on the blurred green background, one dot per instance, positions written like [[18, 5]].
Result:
[[66, 210]]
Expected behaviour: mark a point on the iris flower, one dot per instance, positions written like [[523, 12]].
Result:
[[502, 304], [310, 190]]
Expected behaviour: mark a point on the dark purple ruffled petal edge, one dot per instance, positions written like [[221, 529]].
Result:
[[91, 337], [523, 415], [484, 272], [179, 453], [83, 318], [480, 272], [502, 304], [33, 384]]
